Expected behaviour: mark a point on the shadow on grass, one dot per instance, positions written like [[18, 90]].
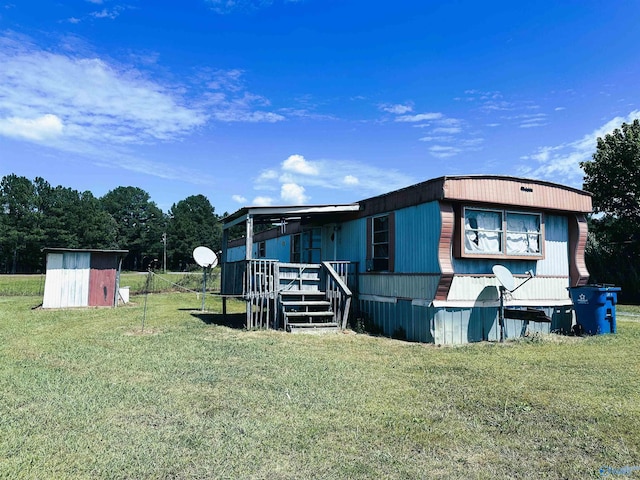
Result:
[[231, 320]]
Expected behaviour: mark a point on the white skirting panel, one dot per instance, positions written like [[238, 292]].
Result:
[[484, 288]]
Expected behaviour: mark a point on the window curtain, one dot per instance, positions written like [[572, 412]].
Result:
[[523, 233], [482, 231]]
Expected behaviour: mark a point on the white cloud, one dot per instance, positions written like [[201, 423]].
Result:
[[96, 101], [104, 13], [293, 194], [239, 199], [356, 180], [561, 163], [450, 130], [298, 164], [230, 80], [86, 106], [244, 6], [421, 117], [228, 102], [350, 180], [46, 126], [437, 138], [444, 151], [262, 201], [532, 120], [397, 109], [267, 175], [250, 117]]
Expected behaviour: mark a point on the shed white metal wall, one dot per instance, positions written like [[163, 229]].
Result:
[[67, 280]]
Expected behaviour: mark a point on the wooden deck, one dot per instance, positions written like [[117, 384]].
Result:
[[292, 296]]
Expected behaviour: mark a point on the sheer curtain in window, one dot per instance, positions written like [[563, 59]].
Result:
[[523, 233], [482, 231]]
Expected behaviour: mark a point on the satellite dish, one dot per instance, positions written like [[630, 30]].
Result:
[[205, 257], [505, 277]]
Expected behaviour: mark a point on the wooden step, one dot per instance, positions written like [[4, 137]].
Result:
[[306, 303], [297, 292], [308, 314], [307, 326], [328, 327]]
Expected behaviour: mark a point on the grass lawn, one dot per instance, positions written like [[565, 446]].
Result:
[[33, 285], [87, 394]]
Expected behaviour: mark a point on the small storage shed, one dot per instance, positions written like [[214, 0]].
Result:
[[82, 277]]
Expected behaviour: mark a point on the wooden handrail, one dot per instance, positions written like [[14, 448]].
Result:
[[344, 290]]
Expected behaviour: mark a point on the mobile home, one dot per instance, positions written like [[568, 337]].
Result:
[[416, 263]]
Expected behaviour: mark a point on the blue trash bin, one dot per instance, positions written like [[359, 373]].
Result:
[[595, 307]]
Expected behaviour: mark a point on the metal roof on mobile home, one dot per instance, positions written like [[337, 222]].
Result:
[[481, 189], [485, 189]]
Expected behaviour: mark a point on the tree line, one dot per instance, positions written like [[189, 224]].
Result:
[[613, 178], [35, 215]]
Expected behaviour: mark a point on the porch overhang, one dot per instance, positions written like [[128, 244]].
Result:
[[271, 214]]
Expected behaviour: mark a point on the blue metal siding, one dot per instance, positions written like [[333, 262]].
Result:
[[417, 238], [279, 248], [395, 319], [453, 326], [235, 254], [403, 286], [556, 247], [352, 242]]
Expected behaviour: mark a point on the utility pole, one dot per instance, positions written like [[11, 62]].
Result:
[[164, 260]]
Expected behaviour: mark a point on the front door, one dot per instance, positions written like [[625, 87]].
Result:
[[305, 246]]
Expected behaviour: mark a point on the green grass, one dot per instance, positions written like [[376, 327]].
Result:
[[86, 394], [11, 285], [30, 285]]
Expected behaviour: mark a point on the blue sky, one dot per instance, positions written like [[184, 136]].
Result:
[[278, 102]]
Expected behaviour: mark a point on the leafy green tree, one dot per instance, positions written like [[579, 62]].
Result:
[[613, 178], [140, 225], [20, 237], [71, 219], [192, 222]]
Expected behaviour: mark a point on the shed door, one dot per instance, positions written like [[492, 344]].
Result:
[[102, 280]]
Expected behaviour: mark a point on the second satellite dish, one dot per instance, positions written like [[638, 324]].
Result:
[[205, 257], [505, 277]]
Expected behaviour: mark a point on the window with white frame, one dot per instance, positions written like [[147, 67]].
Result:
[[501, 233]]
